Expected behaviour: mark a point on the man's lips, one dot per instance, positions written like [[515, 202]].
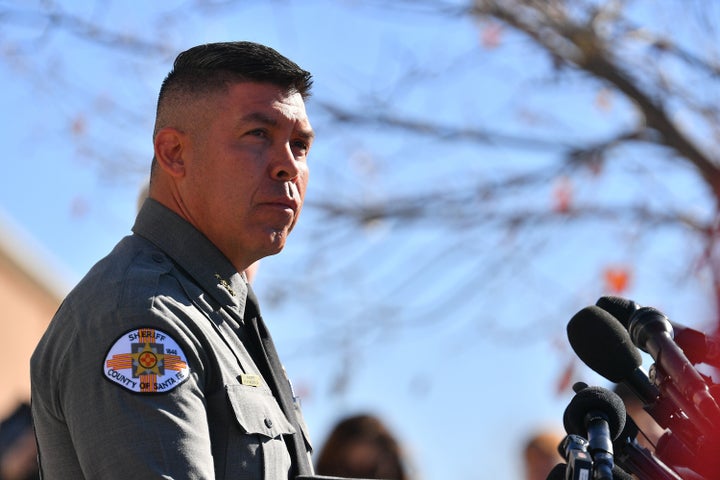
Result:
[[285, 204]]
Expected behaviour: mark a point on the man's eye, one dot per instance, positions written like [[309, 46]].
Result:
[[300, 145], [258, 133]]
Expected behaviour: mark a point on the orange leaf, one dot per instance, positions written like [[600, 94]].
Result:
[[562, 195], [616, 279], [564, 382], [491, 35]]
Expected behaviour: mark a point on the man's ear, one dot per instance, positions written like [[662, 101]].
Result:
[[170, 150]]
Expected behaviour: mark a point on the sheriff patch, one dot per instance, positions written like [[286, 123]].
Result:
[[146, 361]]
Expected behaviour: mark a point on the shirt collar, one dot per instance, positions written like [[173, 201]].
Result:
[[193, 252]]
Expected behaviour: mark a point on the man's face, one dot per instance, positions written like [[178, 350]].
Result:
[[246, 170]]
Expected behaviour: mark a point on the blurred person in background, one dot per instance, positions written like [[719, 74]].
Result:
[[540, 454], [362, 446], [18, 451]]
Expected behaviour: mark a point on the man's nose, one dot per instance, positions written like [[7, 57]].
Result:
[[284, 166]]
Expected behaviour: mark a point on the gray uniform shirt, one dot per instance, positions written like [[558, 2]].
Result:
[[143, 373]]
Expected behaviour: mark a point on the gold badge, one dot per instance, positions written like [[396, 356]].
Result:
[[250, 380]]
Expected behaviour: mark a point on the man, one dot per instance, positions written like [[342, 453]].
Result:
[[158, 365]]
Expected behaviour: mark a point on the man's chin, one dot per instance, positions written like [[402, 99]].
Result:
[[276, 242]]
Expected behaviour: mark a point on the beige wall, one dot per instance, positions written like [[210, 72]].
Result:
[[26, 307]]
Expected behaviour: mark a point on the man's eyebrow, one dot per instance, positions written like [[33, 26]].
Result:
[[259, 117], [308, 134]]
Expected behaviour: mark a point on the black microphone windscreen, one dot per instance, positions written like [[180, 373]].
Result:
[[620, 308], [603, 343], [620, 474], [558, 472], [595, 399]]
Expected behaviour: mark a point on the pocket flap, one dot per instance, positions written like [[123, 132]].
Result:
[[257, 411]]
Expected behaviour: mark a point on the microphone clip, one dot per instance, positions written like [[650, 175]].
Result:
[[579, 462]]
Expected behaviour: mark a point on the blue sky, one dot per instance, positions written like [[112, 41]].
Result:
[[462, 393]]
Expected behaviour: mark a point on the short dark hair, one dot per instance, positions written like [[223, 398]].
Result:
[[211, 66]]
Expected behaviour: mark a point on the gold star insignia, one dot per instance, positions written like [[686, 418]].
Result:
[[147, 360], [224, 283]]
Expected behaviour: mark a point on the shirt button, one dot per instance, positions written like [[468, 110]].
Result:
[[268, 423], [157, 257]]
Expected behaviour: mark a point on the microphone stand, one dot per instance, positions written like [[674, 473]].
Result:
[[641, 462], [644, 464]]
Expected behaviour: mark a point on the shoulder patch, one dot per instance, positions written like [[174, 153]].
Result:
[[146, 361]]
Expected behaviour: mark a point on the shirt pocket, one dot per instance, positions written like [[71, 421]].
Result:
[[257, 444]]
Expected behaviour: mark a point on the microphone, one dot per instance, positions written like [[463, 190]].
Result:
[[651, 331], [698, 347], [620, 474], [600, 414], [604, 345]]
